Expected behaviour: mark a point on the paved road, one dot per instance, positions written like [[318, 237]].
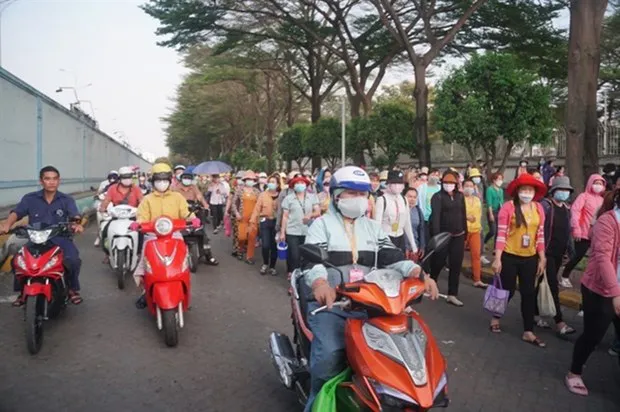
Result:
[[107, 356]]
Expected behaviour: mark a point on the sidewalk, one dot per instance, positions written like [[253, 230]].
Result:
[[568, 297]]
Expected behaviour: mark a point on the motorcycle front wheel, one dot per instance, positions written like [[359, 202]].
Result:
[[121, 268], [34, 323], [170, 327], [194, 254]]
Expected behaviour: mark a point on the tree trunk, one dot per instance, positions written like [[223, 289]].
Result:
[[420, 95], [502, 167], [586, 18]]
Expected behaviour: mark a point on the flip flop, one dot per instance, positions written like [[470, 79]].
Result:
[[566, 330], [536, 342], [575, 385], [19, 301], [75, 298], [495, 328]]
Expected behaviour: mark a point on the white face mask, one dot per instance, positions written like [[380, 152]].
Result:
[[186, 182], [526, 197], [353, 207], [126, 182], [476, 180], [396, 188], [468, 191], [161, 185], [597, 188], [449, 187], [499, 183]]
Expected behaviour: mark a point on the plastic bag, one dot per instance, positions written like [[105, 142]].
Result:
[[227, 226], [546, 305], [325, 401], [496, 298]]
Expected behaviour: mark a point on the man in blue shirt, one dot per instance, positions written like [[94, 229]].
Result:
[[51, 207]]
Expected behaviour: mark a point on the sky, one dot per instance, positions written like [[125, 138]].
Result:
[[111, 46]]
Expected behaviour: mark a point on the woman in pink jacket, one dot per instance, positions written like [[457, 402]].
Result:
[[600, 288], [583, 214]]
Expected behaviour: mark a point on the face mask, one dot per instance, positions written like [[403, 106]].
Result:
[[161, 185], [353, 207], [300, 187], [468, 191], [499, 183], [178, 176], [598, 188], [561, 195], [272, 186], [126, 182], [383, 185], [250, 183], [476, 180], [449, 187], [186, 182], [433, 180], [525, 197], [112, 180], [240, 182], [396, 188], [612, 173], [523, 164]]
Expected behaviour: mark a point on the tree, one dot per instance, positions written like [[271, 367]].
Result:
[[390, 127], [609, 78], [291, 145], [324, 140], [491, 99], [586, 22]]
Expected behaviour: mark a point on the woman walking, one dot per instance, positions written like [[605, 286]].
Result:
[[473, 211], [495, 200], [520, 248], [242, 207], [417, 224], [600, 289], [265, 213]]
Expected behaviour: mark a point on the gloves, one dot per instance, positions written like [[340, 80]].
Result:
[[196, 223], [323, 293], [134, 226]]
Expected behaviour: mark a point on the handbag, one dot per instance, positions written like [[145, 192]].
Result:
[[546, 305], [496, 298], [227, 226]]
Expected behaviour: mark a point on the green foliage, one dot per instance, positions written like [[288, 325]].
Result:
[[492, 97], [244, 159], [324, 140], [390, 127], [609, 77], [291, 143]]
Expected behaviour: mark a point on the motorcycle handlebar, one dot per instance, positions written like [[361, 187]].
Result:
[[340, 304]]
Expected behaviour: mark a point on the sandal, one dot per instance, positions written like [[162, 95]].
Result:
[[495, 328], [543, 324], [212, 261], [536, 342], [75, 298], [480, 285], [19, 301], [575, 385], [566, 330]]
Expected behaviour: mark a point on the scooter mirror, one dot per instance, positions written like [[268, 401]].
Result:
[[313, 253], [438, 243]]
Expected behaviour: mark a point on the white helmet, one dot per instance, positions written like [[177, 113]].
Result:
[[350, 178], [179, 167], [125, 172]]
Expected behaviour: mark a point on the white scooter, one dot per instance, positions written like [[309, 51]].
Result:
[[120, 241]]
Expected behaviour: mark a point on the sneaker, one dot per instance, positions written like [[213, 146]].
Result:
[[485, 261], [454, 301], [216, 231], [565, 283], [263, 269], [273, 272]]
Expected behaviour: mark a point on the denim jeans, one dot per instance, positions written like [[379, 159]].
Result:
[[327, 354]]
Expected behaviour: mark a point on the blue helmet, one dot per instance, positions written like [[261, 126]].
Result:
[[189, 171], [350, 178]]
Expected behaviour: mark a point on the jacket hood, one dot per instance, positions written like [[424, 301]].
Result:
[[593, 178]]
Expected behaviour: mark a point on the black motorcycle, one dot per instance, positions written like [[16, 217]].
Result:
[[197, 240]]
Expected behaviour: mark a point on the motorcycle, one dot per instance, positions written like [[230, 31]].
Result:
[[395, 361], [121, 242], [193, 235], [166, 276], [39, 268]]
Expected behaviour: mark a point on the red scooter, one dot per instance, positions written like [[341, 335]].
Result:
[[38, 267], [166, 275]]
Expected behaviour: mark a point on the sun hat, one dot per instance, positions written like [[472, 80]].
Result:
[[249, 175], [474, 173], [450, 177], [561, 183], [527, 180], [298, 179]]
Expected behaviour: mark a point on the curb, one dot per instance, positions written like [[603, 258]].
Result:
[[568, 298]]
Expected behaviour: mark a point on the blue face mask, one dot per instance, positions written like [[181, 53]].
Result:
[[383, 185], [300, 187], [272, 186], [561, 195]]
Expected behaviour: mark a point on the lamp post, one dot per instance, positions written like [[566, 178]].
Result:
[[3, 6]]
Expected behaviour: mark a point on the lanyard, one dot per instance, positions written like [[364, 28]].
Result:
[[349, 230], [302, 205]]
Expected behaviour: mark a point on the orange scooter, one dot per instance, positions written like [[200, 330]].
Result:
[[396, 362]]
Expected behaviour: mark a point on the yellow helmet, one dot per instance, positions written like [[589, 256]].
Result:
[[161, 171]]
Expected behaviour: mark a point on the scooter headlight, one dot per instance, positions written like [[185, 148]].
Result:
[[392, 397], [52, 262], [38, 237], [19, 261], [163, 226], [408, 349]]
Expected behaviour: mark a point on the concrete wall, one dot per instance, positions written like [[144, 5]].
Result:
[[35, 131]]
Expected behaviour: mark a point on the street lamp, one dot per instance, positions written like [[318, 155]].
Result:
[[3, 6]]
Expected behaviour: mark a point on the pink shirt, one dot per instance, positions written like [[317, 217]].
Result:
[[601, 275]]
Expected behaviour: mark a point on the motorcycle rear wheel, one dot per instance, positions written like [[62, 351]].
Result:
[[121, 268], [34, 323], [170, 327]]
